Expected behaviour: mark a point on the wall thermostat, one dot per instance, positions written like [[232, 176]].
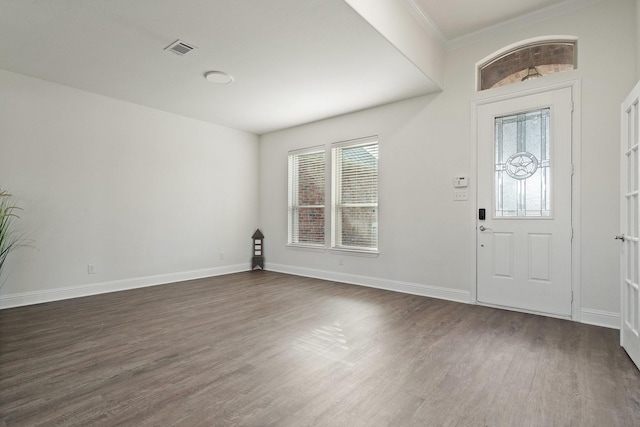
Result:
[[460, 181]]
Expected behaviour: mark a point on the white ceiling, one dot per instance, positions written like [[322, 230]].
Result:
[[293, 61]]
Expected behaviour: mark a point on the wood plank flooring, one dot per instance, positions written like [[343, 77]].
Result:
[[268, 349]]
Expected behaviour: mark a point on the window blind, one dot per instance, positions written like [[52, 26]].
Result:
[[306, 197], [355, 195]]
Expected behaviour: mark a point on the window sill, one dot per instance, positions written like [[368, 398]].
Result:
[[312, 248], [355, 252]]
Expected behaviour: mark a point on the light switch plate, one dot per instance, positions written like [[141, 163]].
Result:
[[459, 196]]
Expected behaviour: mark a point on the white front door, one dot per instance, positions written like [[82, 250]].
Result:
[[630, 222], [524, 187]]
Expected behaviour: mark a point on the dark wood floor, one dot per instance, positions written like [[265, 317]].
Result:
[[267, 349]]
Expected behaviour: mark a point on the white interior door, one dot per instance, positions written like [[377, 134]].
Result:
[[524, 186], [630, 296]]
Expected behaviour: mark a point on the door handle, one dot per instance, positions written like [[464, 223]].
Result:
[[483, 228], [620, 237]]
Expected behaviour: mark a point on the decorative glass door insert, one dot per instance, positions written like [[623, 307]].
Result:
[[522, 165]]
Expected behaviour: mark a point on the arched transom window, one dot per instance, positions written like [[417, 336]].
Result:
[[527, 60]]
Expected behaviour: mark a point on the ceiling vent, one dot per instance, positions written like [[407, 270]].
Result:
[[179, 47]]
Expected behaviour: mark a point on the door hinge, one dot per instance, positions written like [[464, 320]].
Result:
[[573, 169], [572, 296], [571, 233], [573, 106]]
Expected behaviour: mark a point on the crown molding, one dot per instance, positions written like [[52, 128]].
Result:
[[559, 9], [524, 20], [424, 20]]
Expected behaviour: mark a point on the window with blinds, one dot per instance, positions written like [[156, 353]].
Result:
[[306, 197], [355, 195]]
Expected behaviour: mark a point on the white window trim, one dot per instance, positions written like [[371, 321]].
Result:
[[291, 195], [335, 224]]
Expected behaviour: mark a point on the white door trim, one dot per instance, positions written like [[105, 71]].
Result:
[[540, 87]]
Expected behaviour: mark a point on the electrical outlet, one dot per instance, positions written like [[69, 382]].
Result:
[[91, 269], [340, 262]]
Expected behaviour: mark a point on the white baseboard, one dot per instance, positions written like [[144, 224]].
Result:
[[38, 297], [606, 319], [602, 318], [373, 282]]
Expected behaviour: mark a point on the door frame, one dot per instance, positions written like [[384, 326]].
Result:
[[506, 93]]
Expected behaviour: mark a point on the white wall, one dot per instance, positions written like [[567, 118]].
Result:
[[394, 21], [147, 196], [637, 39], [426, 239]]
